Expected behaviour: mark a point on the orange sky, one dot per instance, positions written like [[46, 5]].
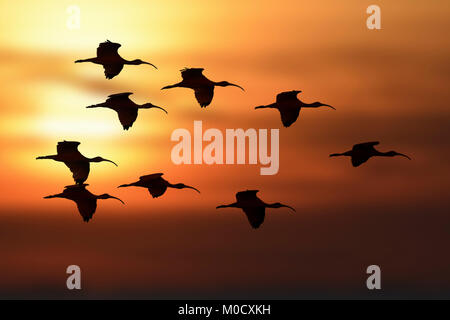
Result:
[[389, 85]]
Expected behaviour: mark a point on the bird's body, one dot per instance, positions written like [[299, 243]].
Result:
[[194, 79], [126, 109], [79, 165], [108, 56], [156, 184], [289, 106], [362, 152], [85, 200], [253, 207]]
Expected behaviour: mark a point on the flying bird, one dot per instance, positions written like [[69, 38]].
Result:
[[110, 59], [253, 207], [85, 200], [194, 79], [289, 106], [126, 109], [156, 184], [362, 152], [79, 165]]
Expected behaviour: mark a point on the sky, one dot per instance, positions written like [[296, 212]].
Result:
[[388, 85]]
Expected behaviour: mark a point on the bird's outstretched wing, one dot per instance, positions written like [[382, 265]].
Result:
[[150, 177], [67, 147], [358, 160], [107, 49], [86, 208], [365, 145], [204, 95], [191, 73], [127, 116], [120, 95], [288, 115], [80, 170], [157, 189], [255, 215], [112, 70], [246, 195], [287, 96], [155, 184]]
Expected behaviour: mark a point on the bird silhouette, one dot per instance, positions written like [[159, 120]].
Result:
[[79, 165], [289, 106], [253, 207], [110, 59], [194, 79], [156, 184], [126, 109], [85, 200], [362, 152]]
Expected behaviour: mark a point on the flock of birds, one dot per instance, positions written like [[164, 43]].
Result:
[[287, 103]]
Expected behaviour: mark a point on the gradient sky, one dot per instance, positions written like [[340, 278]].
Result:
[[389, 85]]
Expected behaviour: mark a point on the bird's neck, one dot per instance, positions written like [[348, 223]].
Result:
[[131, 62]]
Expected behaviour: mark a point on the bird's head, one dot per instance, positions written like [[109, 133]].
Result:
[[139, 61], [394, 153], [107, 196], [100, 159], [149, 105], [226, 84]]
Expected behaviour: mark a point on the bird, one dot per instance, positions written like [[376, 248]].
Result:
[[85, 200], [194, 79], [110, 59], [253, 207], [126, 109], [79, 165], [362, 152], [289, 106], [156, 184]]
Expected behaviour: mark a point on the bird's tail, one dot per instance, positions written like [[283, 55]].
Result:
[[273, 105]]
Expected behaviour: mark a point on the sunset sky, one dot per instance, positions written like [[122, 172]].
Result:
[[390, 85]]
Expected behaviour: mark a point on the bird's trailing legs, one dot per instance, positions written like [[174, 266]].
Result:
[[272, 105]]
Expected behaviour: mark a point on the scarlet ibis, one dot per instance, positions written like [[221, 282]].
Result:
[[85, 200], [110, 59], [125, 108], [253, 207], [362, 152], [79, 165], [194, 79], [289, 106], [156, 184]]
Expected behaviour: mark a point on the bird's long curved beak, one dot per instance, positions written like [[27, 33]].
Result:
[[235, 85], [327, 105], [111, 162], [285, 206], [189, 187], [160, 108], [111, 197], [403, 155], [144, 62]]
